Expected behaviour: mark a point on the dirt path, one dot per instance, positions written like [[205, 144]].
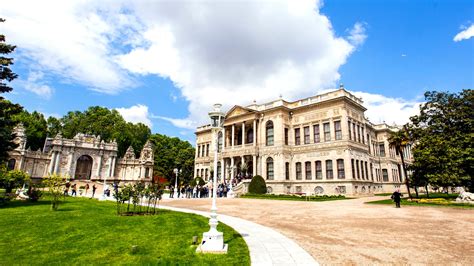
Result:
[[351, 232]]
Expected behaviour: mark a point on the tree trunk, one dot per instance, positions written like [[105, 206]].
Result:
[[416, 191], [405, 173], [427, 193]]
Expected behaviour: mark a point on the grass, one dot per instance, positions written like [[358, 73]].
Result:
[[440, 202], [292, 197], [85, 231]]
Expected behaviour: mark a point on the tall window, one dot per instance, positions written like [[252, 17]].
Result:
[[327, 132], [358, 133], [11, 164], [366, 171], [329, 170], [340, 169], [298, 171], [306, 135], [319, 170], [249, 136], [368, 142], [269, 133], [218, 170], [297, 136], [287, 171], [372, 171], [382, 149], [269, 168], [362, 169], [362, 132], [199, 150], [354, 130], [350, 131], [353, 169], [338, 130], [317, 137], [207, 150], [385, 175], [357, 169], [219, 141], [307, 168], [286, 136]]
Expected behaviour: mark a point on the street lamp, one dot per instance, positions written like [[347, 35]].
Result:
[[176, 172], [231, 168], [213, 240]]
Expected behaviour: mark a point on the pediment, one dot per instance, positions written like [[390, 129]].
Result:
[[237, 111]]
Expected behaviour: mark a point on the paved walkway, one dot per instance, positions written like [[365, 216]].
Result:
[[267, 246]]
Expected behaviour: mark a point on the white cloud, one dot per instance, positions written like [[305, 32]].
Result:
[[181, 123], [35, 85], [404, 55], [136, 114], [357, 34], [467, 33], [389, 110]]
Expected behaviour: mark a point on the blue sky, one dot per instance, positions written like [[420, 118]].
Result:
[[165, 63]]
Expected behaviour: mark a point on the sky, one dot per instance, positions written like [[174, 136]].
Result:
[[165, 63]]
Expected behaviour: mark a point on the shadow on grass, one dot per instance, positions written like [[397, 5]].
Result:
[[21, 203]]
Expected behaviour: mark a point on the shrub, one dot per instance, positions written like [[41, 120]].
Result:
[[34, 194], [13, 179], [257, 185], [200, 181], [55, 184]]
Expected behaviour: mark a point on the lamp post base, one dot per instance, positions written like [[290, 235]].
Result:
[[231, 194], [212, 242]]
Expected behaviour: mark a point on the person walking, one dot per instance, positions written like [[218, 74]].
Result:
[[87, 188], [73, 190], [94, 188], [171, 192], [397, 197]]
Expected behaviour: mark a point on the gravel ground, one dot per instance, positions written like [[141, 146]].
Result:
[[351, 232]]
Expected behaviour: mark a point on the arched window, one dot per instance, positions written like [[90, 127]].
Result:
[[147, 172], [11, 164], [219, 141], [269, 133], [270, 173]]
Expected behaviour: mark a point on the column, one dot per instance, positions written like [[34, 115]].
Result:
[[243, 134], [99, 165], [232, 167], [109, 171], [112, 174], [232, 136], [222, 170], [254, 133], [56, 164], [254, 166], [224, 139], [52, 162]]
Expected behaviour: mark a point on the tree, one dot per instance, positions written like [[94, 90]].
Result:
[[399, 140], [7, 109], [55, 185], [258, 185], [13, 179], [35, 128], [444, 150]]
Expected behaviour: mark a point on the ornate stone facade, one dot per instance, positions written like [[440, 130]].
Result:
[[85, 157], [318, 145]]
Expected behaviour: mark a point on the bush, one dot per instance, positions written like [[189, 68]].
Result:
[[34, 194], [12, 179], [257, 185]]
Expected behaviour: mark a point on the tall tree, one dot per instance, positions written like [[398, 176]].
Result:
[[399, 140], [7, 109], [35, 128]]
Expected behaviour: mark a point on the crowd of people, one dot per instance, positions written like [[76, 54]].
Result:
[[192, 192]]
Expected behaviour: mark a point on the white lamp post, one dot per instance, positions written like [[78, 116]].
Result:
[[213, 240], [230, 194], [176, 172]]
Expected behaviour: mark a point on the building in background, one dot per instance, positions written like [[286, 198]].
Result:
[[318, 145], [83, 158]]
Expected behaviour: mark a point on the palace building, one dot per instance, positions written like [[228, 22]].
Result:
[[318, 145], [83, 158]]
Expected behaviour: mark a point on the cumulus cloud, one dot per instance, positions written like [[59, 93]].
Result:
[[357, 34], [389, 110], [136, 114], [467, 33], [35, 85]]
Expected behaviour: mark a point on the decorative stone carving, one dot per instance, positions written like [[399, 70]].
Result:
[[465, 197]]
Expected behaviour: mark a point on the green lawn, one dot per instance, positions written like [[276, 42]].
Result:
[[439, 202], [85, 231], [292, 197]]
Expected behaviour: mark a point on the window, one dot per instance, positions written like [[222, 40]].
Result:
[[319, 170], [385, 175], [298, 171], [357, 169], [249, 135], [340, 169], [353, 169], [207, 150], [372, 171], [317, 137], [199, 151], [338, 130], [327, 132], [218, 170], [363, 138], [269, 168], [366, 171], [358, 133], [350, 131], [219, 141], [269, 133], [382, 149], [287, 171], [368, 142], [11, 164], [307, 168], [286, 136], [147, 172], [306, 135], [329, 172], [362, 169], [354, 129], [297, 136]]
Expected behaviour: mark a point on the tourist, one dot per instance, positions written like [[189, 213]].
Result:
[[66, 189], [73, 190], [87, 188], [183, 191], [178, 191], [397, 197], [94, 188], [171, 192], [195, 192]]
